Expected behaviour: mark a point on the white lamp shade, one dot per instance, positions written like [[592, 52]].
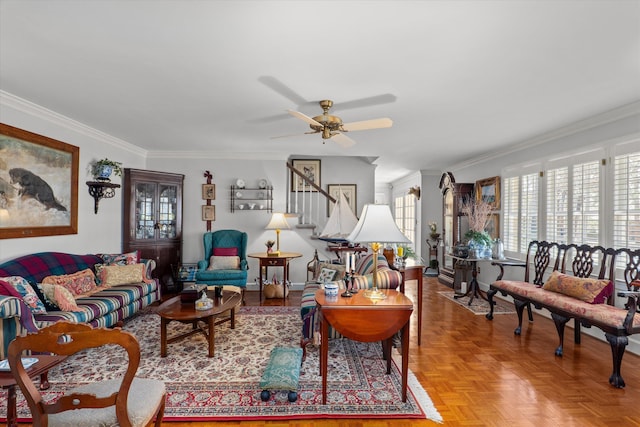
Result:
[[376, 225], [278, 222]]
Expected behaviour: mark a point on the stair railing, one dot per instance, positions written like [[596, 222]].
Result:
[[306, 200]]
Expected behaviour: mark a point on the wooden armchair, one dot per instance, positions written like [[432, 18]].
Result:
[[126, 401]]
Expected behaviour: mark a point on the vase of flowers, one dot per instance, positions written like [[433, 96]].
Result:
[[479, 241], [269, 244]]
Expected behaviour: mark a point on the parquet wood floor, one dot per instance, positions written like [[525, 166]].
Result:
[[478, 373]]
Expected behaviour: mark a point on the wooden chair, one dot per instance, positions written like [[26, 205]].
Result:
[[126, 401]]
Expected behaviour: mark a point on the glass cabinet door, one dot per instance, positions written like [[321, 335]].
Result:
[[167, 209], [145, 221]]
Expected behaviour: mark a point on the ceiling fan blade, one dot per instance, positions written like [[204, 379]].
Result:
[[342, 139], [284, 90], [366, 102], [304, 117], [384, 122]]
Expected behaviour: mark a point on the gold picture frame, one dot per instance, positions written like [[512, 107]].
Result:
[[209, 191], [208, 213], [38, 185], [488, 190]]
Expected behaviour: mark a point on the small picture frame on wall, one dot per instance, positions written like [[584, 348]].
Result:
[[208, 213], [310, 168], [209, 191], [350, 193], [488, 190]]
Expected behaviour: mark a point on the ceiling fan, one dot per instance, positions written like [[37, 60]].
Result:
[[331, 127]]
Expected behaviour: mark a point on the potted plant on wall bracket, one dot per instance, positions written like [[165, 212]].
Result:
[[102, 169]]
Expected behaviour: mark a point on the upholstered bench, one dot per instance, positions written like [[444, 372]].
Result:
[[589, 301], [282, 373]]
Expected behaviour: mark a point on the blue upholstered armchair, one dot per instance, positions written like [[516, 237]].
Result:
[[225, 259]]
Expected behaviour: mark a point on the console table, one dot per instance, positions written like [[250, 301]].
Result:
[[280, 260], [413, 272], [363, 319]]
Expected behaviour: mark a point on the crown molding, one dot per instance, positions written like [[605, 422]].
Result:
[[9, 100], [601, 119], [190, 155]]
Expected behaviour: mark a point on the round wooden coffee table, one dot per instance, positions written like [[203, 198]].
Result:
[[175, 310]]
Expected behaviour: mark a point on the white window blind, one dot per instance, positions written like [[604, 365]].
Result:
[[557, 204], [405, 215], [510, 204], [586, 203], [528, 210], [626, 201]]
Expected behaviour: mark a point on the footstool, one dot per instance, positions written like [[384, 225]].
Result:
[[282, 373]]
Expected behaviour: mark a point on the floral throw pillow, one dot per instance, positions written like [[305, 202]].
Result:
[[79, 283], [29, 296], [121, 259], [60, 296], [326, 275], [589, 290]]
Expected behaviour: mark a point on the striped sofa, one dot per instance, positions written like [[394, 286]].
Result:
[[103, 309], [386, 278]]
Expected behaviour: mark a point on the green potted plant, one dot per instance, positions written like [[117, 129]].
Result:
[[102, 169]]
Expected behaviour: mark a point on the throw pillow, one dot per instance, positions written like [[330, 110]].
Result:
[[340, 270], [589, 290], [27, 293], [224, 263], [121, 259], [8, 290], [48, 304], [326, 275], [225, 251], [114, 275], [79, 283], [60, 296]]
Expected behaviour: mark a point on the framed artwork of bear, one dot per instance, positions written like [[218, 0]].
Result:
[[38, 185]]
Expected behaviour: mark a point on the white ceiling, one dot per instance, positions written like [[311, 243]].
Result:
[[469, 77]]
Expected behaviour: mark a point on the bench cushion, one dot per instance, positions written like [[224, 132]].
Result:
[[589, 290], [283, 369]]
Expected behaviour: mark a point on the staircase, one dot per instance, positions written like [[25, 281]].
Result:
[[307, 201]]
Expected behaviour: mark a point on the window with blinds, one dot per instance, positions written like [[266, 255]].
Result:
[[405, 215], [528, 210], [626, 201], [557, 204], [575, 201], [520, 211]]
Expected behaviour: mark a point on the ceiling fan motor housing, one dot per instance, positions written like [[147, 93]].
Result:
[[329, 123]]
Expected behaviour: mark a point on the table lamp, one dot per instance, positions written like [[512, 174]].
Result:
[[278, 222], [376, 225]]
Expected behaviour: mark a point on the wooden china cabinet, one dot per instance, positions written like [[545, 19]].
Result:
[[153, 219], [452, 222]]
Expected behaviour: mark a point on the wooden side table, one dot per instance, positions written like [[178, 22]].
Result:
[[281, 260], [363, 319], [413, 272], [7, 381]]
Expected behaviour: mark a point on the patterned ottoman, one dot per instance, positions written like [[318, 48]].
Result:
[[282, 373]]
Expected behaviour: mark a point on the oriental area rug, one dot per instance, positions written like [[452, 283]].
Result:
[[227, 386], [478, 305]]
